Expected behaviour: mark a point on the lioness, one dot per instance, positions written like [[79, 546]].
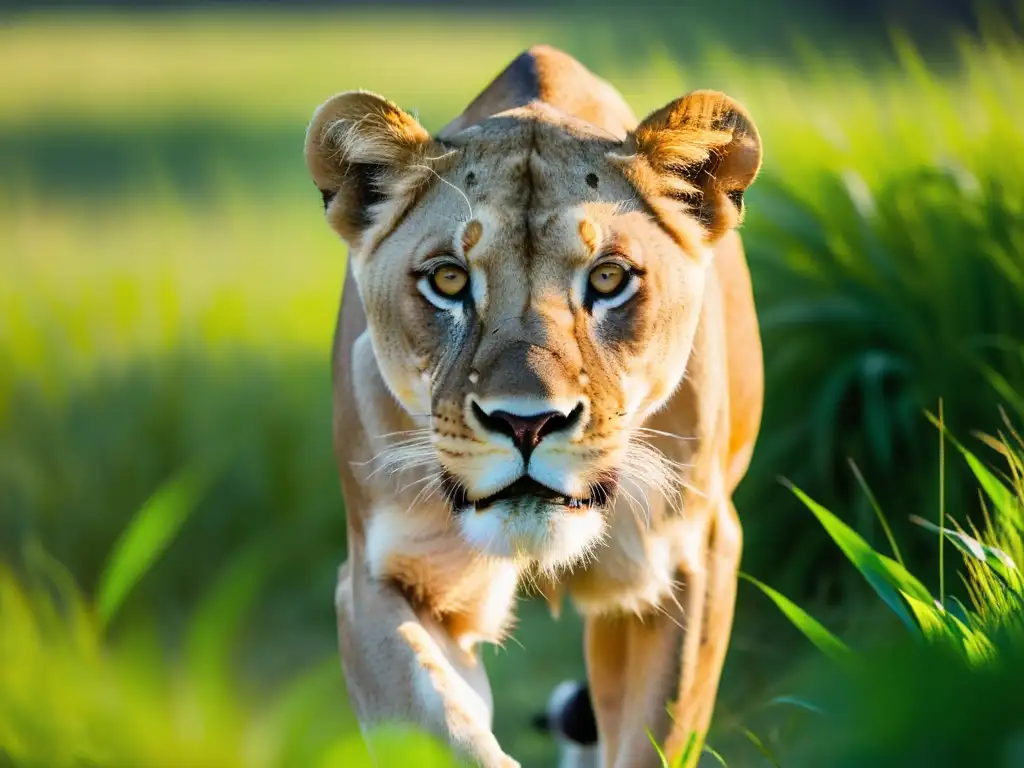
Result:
[[547, 369]]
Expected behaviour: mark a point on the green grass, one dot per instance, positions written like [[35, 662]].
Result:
[[888, 277], [902, 703], [168, 299], [77, 697]]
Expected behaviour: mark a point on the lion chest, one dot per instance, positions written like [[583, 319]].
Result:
[[638, 568], [470, 595]]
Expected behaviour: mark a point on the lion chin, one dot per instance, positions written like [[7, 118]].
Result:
[[527, 521], [550, 534]]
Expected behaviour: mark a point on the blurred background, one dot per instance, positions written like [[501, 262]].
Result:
[[170, 518]]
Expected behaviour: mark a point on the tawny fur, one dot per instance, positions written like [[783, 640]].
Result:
[[544, 173]]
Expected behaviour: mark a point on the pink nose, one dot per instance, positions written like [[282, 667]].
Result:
[[526, 431]]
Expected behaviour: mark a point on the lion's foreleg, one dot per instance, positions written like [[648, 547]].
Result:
[[401, 668], [658, 674]]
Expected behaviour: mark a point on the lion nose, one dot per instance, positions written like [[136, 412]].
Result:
[[527, 431]]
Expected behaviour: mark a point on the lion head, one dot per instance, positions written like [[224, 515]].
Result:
[[532, 285]]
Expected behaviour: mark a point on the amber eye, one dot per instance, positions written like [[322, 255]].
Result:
[[606, 279], [449, 280]]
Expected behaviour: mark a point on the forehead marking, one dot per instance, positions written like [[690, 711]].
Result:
[[471, 234], [478, 233], [590, 234]]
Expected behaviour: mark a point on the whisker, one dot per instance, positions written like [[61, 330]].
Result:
[[408, 442], [417, 431], [404, 462], [660, 433], [673, 585], [388, 451], [642, 512], [440, 178], [426, 492], [648, 467], [414, 483], [664, 612]]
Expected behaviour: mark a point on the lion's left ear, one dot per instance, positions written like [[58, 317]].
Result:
[[363, 152], [703, 151]]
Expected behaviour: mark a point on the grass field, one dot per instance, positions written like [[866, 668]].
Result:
[[167, 300]]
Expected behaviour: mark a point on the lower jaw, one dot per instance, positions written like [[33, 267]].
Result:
[[529, 504], [458, 497], [536, 530]]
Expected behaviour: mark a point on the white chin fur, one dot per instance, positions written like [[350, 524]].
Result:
[[549, 534]]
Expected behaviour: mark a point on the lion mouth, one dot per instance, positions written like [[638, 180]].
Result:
[[527, 488]]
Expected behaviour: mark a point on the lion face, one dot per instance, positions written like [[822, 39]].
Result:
[[533, 288]]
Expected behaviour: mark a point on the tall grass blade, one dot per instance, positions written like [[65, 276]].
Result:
[[928, 619], [72, 603], [1004, 389], [992, 556], [878, 512], [759, 745], [960, 611], [214, 627], [886, 576], [942, 627], [942, 506], [721, 760], [977, 646], [813, 630], [796, 701], [148, 534], [693, 746], [658, 749], [1004, 499]]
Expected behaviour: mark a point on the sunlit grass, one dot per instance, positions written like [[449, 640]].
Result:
[[255, 67], [71, 695], [258, 69], [242, 67], [896, 703], [98, 284]]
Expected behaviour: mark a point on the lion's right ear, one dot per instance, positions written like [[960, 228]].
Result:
[[363, 152], [697, 154]]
